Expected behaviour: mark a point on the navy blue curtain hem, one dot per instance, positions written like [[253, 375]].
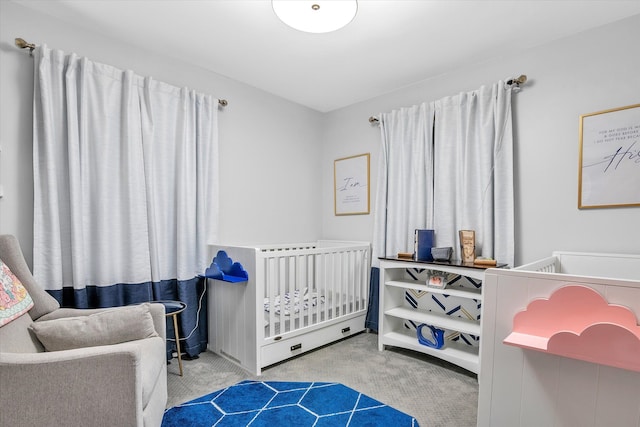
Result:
[[371, 319], [192, 322]]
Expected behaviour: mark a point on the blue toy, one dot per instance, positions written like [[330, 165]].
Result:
[[436, 334]]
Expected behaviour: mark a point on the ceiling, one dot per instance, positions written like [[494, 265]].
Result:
[[389, 45]]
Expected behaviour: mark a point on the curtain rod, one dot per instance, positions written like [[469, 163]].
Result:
[[515, 82], [23, 44]]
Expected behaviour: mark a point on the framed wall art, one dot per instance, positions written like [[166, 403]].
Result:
[[609, 166], [351, 185]]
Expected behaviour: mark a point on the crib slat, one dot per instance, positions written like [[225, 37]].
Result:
[[270, 295], [338, 285], [298, 285], [353, 301], [319, 285], [331, 283], [281, 283]]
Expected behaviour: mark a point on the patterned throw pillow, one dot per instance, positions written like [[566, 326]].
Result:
[[14, 298]]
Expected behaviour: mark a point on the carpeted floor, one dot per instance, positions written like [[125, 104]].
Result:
[[435, 392]]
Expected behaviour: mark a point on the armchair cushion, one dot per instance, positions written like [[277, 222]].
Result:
[[106, 327], [16, 337]]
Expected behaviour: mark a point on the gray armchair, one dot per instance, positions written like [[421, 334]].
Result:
[[123, 384]]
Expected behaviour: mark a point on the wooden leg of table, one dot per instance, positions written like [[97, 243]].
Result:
[[177, 336]]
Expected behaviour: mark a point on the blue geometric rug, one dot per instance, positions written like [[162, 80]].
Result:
[[284, 404]]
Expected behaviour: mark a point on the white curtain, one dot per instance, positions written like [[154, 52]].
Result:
[[125, 171], [473, 157], [462, 179], [404, 195]]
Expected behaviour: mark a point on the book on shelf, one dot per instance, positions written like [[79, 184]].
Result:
[[423, 242]]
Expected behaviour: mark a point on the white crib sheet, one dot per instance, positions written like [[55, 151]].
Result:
[[300, 299], [310, 316]]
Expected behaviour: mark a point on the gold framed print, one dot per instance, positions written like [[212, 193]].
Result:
[[351, 185], [609, 165]]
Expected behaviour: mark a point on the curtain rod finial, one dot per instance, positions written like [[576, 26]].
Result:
[[23, 44], [518, 80]]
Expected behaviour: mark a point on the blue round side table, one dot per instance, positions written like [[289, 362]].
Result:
[[173, 308]]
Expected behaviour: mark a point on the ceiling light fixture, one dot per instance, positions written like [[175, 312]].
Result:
[[315, 16]]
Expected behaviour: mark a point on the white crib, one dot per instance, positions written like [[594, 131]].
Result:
[[298, 297]]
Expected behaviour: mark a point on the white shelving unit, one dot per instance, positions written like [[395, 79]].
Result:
[[393, 312]]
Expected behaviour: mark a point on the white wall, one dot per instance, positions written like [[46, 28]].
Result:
[[269, 147], [593, 71], [275, 190]]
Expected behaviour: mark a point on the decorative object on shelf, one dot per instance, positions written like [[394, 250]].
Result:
[[609, 155], [315, 16], [577, 322], [436, 334], [223, 268], [423, 242], [351, 185], [442, 254], [436, 280], [487, 262], [467, 245], [405, 255]]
